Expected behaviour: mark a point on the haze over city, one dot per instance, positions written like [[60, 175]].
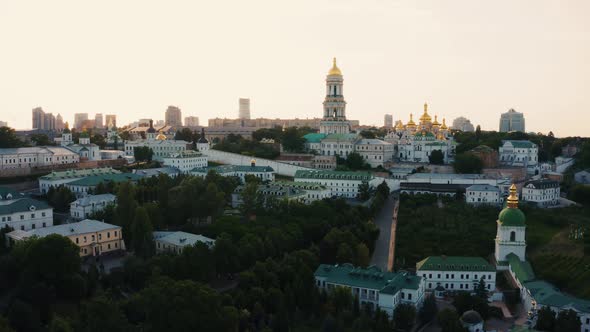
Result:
[[135, 58]]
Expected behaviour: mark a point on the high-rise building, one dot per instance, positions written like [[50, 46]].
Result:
[[334, 120], [3, 124], [48, 121], [511, 121], [388, 121], [191, 121], [38, 118], [98, 123], [110, 120], [173, 116], [59, 122], [244, 112], [463, 124], [79, 119]]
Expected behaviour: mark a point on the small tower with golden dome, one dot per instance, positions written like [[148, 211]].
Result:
[[510, 236], [334, 117], [425, 119]]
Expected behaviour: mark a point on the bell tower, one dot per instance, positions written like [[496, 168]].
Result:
[[334, 118], [510, 237]]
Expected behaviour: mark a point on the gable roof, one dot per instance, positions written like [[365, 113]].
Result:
[[22, 205], [371, 277], [94, 180], [454, 263], [82, 227], [483, 187], [522, 270], [542, 184], [549, 295], [520, 143], [182, 238], [314, 137], [88, 200]]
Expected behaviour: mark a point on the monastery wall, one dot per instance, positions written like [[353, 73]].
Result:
[[238, 159]]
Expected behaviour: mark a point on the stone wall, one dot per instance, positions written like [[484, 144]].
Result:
[[238, 159]]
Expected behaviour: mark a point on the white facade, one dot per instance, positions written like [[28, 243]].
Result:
[[519, 154], [161, 148], [341, 184], [455, 273], [175, 242], [264, 173], [334, 119], [543, 192], [185, 161], [42, 156], [374, 151], [483, 194], [83, 207], [56, 179], [510, 234], [25, 214]]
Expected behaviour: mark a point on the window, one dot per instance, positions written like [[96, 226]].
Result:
[[33, 226], [77, 241], [108, 235], [44, 225], [512, 236], [22, 216], [409, 296]]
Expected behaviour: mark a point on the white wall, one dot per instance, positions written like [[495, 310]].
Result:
[[238, 159]]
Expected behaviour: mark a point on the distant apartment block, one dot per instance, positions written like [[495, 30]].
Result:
[[110, 120], [512, 121], [191, 121], [173, 116], [388, 121], [79, 119], [244, 111], [98, 120]]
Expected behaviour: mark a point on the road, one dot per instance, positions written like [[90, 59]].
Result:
[[384, 221]]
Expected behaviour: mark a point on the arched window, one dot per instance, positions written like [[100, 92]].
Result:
[[512, 236]]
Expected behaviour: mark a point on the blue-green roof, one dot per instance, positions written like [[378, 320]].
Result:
[[314, 137], [22, 205], [522, 270], [7, 194], [371, 277], [349, 136], [78, 173], [333, 175], [548, 295], [94, 180], [520, 143], [454, 263], [513, 217], [233, 168]]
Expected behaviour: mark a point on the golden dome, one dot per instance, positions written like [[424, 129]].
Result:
[[399, 125], [161, 136], [425, 117], [334, 70], [411, 122], [444, 125], [435, 123], [512, 200]]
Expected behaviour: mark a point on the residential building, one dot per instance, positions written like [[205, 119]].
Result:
[[343, 184], [324, 162], [42, 120], [544, 193], [264, 173], [44, 157], [58, 178], [302, 192], [483, 194], [82, 187], [520, 153], [456, 273], [84, 207], [388, 121], [191, 121], [173, 116], [512, 121], [374, 151], [158, 142], [3, 124], [79, 119], [59, 122], [154, 172], [92, 236], [185, 161], [372, 286], [175, 242], [25, 213], [98, 120], [110, 119], [463, 124], [244, 109]]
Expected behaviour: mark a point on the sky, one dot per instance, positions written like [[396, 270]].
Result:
[[133, 58]]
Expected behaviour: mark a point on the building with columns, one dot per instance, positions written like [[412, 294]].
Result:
[[334, 119]]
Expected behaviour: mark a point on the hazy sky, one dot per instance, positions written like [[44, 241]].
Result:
[[134, 58]]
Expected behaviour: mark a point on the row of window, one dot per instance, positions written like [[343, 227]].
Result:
[[85, 238], [452, 276], [22, 216]]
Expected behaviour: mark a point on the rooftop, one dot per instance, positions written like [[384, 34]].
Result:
[[149, 172], [83, 227], [94, 180], [22, 205], [522, 270], [483, 187], [520, 143], [88, 200], [8, 194], [56, 150], [78, 173], [454, 263], [542, 184], [314, 137], [373, 141], [233, 168], [182, 238], [185, 154], [333, 175], [548, 295], [371, 277]]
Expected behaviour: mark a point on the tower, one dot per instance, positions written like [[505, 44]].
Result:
[[334, 119], [202, 143], [66, 136], [510, 237], [151, 133]]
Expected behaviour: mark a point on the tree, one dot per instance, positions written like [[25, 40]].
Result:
[[481, 290], [341, 299], [367, 134], [102, 314], [436, 157], [404, 316], [364, 192], [23, 317], [125, 209], [448, 320], [478, 133], [8, 138], [60, 198], [250, 198], [567, 321], [355, 161], [99, 140], [292, 140], [545, 319], [143, 153], [40, 139], [428, 310], [362, 257], [142, 241], [59, 324], [467, 163]]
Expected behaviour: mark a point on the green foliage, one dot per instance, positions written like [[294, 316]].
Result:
[[464, 301], [250, 147], [293, 140], [404, 316], [354, 162], [428, 310], [99, 140], [436, 157], [448, 320], [142, 242], [8, 138], [467, 163], [143, 153], [545, 319], [60, 198], [367, 134], [40, 139], [567, 321], [125, 209], [580, 194], [364, 191], [102, 314]]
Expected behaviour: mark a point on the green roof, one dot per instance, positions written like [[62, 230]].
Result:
[[548, 295], [78, 173], [92, 181], [22, 205], [233, 168], [301, 185], [371, 277], [84, 134], [520, 143], [314, 137], [426, 134], [454, 263], [513, 217], [342, 136], [522, 270], [333, 175], [6, 193]]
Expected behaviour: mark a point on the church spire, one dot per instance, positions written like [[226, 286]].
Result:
[[512, 200]]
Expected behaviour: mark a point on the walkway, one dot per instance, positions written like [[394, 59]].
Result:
[[384, 246]]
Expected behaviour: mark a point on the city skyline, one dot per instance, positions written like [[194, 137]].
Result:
[[463, 59]]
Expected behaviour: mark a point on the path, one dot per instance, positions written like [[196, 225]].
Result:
[[383, 253]]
